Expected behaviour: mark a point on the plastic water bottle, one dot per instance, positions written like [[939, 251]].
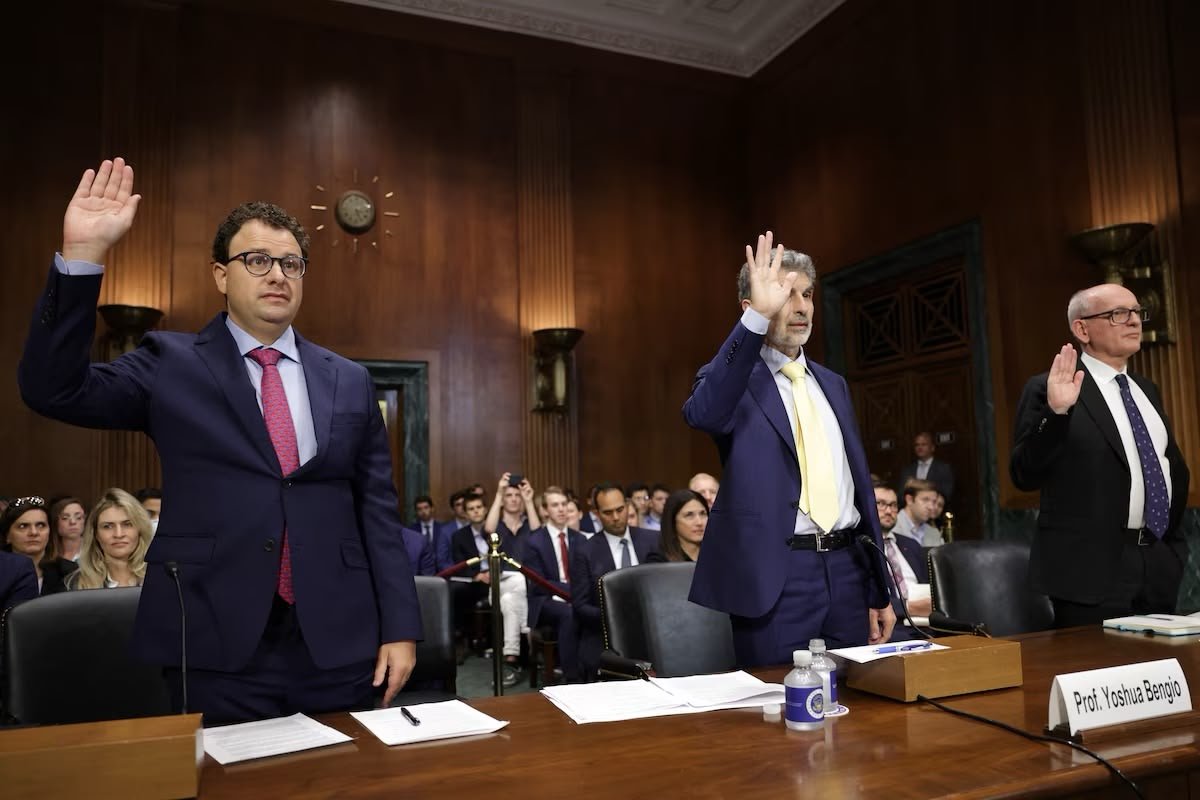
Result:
[[824, 666], [805, 709]]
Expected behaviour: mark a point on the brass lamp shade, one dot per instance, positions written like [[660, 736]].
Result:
[[552, 368], [1111, 246], [126, 327]]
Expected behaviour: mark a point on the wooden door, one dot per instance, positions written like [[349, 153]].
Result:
[[909, 367]]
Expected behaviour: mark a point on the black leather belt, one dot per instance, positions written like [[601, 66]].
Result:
[[821, 542], [1142, 537]]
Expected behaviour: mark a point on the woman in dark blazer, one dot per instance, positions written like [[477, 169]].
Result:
[[685, 516], [25, 529]]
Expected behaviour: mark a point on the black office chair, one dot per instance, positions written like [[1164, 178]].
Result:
[[987, 582], [67, 660], [435, 676], [648, 620]]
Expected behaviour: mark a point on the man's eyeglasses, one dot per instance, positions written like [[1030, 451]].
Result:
[[892, 504], [1120, 316], [33, 501], [260, 264]]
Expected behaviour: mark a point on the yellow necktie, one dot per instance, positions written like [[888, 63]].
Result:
[[818, 494]]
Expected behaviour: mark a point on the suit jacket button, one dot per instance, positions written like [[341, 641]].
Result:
[[269, 545]]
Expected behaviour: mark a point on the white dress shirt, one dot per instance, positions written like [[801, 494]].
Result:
[[923, 468], [1106, 379], [562, 568], [614, 544], [848, 515]]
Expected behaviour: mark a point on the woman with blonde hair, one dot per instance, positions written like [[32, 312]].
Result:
[[115, 539]]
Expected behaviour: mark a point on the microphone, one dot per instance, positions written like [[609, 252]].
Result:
[[866, 539], [173, 571]]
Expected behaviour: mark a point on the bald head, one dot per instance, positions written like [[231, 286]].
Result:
[[705, 485], [1099, 336]]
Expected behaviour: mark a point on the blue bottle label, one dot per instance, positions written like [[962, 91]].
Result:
[[804, 703], [832, 689]]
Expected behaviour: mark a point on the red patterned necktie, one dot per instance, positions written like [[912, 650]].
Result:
[[566, 559], [278, 417]]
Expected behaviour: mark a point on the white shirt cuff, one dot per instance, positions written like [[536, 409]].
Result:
[[77, 267], [755, 322]]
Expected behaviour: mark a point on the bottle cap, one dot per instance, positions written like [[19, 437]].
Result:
[[772, 711], [801, 658], [816, 645]]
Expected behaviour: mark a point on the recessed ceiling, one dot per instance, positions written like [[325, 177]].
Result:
[[733, 36]]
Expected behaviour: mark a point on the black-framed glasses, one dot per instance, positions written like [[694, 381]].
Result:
[[892, 504], [33, 501], [260, 264], [1120, 316]]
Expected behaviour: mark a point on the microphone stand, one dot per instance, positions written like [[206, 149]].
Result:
[[895, 583]]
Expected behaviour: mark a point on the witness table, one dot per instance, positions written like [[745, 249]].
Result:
[[881, 749]]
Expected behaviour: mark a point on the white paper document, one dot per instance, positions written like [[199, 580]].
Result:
[[1161, 624], [613, 701], [268, 737], [873, 652], [447, 720]]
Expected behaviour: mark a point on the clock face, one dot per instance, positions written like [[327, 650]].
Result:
[[355, 211]]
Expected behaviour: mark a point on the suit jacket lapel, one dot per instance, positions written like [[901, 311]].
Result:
[[321, 380], [1097, 408], [602, 555], [218, 351], [764, 390]]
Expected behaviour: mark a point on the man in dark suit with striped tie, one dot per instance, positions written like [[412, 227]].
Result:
[[1094, 439]]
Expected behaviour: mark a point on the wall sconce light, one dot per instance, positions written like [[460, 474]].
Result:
[[1117, 249], [552, 368], [126, 327]]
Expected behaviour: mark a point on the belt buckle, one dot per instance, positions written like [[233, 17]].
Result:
[[820, 540], [1145, 537]]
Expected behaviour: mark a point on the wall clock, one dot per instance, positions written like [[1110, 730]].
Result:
[[355, 211]]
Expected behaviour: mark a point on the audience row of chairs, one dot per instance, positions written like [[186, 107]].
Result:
[[66, 655]]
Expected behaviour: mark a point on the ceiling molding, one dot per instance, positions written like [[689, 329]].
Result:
[[736, 37]]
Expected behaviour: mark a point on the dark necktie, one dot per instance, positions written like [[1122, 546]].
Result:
[[428, 533], [1158, 506], [278, 417], [566, 559], [626, 561]]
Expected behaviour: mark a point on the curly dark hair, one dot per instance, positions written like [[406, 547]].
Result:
[[268, 213]]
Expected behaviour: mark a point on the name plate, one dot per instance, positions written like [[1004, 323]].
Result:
[[1100, 697]]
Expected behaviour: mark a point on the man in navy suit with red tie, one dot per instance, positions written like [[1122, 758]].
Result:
[[782, 552], [280, 525], [548, 553]]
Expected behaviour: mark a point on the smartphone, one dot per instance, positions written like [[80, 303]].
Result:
[[514, 479]]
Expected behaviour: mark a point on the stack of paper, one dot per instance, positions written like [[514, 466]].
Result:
[[268, 737], [1161, 624], [612, 701], [446, 720]]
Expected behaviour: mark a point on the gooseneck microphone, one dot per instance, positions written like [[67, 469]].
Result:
[[173, 571], [866, 539]]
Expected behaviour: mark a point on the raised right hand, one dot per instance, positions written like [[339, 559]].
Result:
[[1063, 382], [770, 286], [100, 212]]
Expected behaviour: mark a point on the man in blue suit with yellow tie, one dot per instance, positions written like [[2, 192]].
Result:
[[280, 527], [782, 552]]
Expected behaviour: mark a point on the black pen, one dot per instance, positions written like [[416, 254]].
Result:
[[408, 715]]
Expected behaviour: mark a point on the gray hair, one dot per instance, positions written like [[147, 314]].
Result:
[[793, 261], [1079, 305]]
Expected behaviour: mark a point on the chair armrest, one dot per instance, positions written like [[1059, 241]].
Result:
[[613, 665]]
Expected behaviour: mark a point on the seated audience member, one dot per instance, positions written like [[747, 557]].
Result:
[[458, 507], [658, 498], [639, 498], [705, 485], [548, 553], [908, 564], [151, 499], [913, 519], [632, 516], [617, 547], [437, 534], [513, 513], [115, 539], [590, 524], [420, 554], [471, 541], [685, 516], [25, 529], [575, 518], [67, 516]]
